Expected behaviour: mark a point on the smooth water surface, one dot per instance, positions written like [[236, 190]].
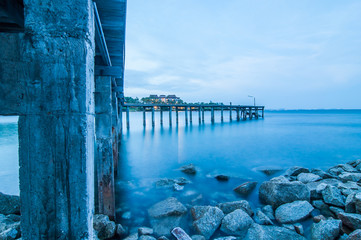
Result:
[[313, 139]]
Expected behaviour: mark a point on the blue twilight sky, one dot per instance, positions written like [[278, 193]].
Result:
[[288, 54]]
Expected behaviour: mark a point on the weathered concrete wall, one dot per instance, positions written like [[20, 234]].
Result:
[[104, 150], [46, 77]]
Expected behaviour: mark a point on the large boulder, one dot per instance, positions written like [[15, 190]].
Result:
[[9, 204], [262, 218], [336, 170], [353, 203], [180, 234], [268, 211], [351, 220], [263, 232], [245, 188], [355, 235], [293, 212], [347, 176], [308, 177], [326, 229], [206, 219], [321, 173], [9, 228], [103, 226], [236, 223], [189, 169], [332, 195], [229, 207], [294, 171], [280, 191], [166, 215]]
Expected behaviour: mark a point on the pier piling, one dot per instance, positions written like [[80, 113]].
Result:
[[186, 114], [238, 118], [212, 114], [203, 114], [199, 115], [222, 114], [127, 117], [144, 118], [190, 115], [153, 120], [230, 112], [176, 115], [161, 115], [170, 116]]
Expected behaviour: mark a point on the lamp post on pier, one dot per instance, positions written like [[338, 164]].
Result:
[[254, 100]]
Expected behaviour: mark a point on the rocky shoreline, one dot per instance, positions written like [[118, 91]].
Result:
[[300, 204]]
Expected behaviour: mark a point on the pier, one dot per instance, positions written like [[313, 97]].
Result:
[[243, 112]]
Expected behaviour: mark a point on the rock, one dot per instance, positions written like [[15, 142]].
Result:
[[353, 203], [236, 223], [316, 189], [270, 172], [229, 207], [354, 163], [261, 218], [268, 211], [127, 215], [145, 231], [355, 235], [308, 177], [346, 176], [326, 230], [104, 227], [226, 238], [323, 207], [263, 232], [349, 187], [245, 188], [180, 234], [133, 236], [351, 220], [120, 230], [165, 183], [198, 237], [280, 191], [331, 181], [166, 215], [10, 233], [332, 195], [14, 217], [336, 210], [294, 171], [9, 204], [222, 177], [318, 218], [293, 212], [206, 219], [343, 237], [322, 173], [189, 169], [146, 237], [178, 187], [163, 238], [336, 170]]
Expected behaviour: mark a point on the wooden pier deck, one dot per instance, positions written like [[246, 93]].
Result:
[[243, 112]]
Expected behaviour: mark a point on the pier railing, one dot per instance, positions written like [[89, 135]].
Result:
[[243, 112]]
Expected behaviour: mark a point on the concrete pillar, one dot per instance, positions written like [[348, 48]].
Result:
[[212, 114], [170, 115], [161, 116], [230, 112], [144, 118], [56, 128], [238, 118], [250, 113], [190, 115], [262, 112], [186, 114], [199, 115], [221, 114], [127, 113], [116, 129], [153, 120], [104, 131], [176, 115], [203, 114]]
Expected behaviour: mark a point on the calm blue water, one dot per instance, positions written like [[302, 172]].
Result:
[[283, 139]]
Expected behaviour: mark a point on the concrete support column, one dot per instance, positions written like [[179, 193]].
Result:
[[56, 125], [127, 113], [161, 116], [116, 130], [221, 114], [176, 115], [170, 115], [144, 118], [250, 113], [190, 115], [199, 115], [238, 118], [104, 131], [212, 114], [203, 114], [153, 120], [186, 114], [262, 112]]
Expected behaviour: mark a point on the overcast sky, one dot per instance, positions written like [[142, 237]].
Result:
[[288, 54]]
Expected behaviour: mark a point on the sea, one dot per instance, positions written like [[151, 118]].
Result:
[[151, 155]]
